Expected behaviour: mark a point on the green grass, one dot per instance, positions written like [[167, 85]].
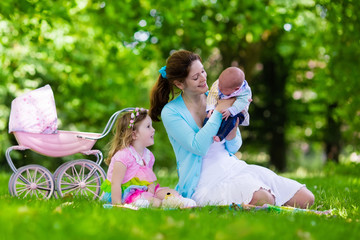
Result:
[[337, 189]]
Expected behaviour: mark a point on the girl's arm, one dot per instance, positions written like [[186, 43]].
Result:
[[116, 180], [151, 188]]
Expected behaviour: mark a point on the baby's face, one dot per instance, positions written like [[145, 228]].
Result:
[[226, 88]]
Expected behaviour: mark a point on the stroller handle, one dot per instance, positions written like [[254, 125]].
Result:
[[109, 124]]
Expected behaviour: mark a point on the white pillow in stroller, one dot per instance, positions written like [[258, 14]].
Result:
[[34, 112]]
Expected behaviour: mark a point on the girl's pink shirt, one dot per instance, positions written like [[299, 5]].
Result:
[[133, 168]]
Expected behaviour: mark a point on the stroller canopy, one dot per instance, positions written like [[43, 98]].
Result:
[[34, 112]]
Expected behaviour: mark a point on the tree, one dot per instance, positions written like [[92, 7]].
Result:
[[100, 57]]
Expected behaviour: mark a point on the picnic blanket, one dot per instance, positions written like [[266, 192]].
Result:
[[272, 208]]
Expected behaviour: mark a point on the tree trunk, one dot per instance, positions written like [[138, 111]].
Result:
[[332, 136], [275, 75]]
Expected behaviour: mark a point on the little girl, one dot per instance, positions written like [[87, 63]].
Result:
[[130, 177]]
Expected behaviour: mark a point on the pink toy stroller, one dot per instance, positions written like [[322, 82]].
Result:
[[33, 121]]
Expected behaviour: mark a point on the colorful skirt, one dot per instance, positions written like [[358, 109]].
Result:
[[131, 191]]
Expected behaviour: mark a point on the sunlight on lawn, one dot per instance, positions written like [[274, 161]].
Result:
[[337, 188]]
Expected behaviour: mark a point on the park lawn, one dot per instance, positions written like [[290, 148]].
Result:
[[84, 219]]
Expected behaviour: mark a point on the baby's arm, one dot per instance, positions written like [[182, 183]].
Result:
[[116, 180], [241, 102], [231, 111]]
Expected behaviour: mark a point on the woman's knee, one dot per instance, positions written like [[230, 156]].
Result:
[[308, 198], [303, 198], [262, 197]]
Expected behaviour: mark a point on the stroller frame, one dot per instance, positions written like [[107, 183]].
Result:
[[80, 177]]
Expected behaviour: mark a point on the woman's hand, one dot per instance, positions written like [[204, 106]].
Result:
[[232, 134], [224, 104]]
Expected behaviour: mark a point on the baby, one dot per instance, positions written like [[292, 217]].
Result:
[[231, 83]]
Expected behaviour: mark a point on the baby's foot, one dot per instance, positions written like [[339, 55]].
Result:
[[216, 139]]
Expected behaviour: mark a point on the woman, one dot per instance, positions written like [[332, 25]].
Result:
[[208, 171]]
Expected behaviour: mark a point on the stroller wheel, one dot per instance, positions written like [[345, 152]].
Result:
[[11, 182], [32, 181], [80, 178], [56, 175]]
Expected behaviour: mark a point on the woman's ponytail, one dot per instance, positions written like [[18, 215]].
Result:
[[159, 97]]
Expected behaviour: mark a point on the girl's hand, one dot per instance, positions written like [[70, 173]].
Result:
[[151, 188], [210, 113], [232, 134], [224, 104]]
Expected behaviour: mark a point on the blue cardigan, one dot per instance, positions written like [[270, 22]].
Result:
[[190, 143]]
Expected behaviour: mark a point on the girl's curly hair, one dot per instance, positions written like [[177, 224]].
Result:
[[122, 135]]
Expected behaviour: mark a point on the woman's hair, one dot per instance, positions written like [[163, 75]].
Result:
[[177, 69], [122, 136]]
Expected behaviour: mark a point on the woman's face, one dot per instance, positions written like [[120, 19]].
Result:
[[195, 82]]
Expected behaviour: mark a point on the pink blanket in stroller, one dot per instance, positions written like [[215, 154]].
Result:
[[34, 112]]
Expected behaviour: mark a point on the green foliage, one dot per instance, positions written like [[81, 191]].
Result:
[[89, 66], [345, 169], [102, 56]]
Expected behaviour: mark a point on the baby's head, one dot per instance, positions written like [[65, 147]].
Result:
[[230, 80]]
